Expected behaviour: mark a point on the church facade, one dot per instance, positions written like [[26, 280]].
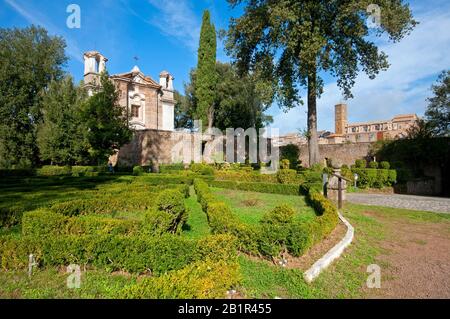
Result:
[[150, 104]]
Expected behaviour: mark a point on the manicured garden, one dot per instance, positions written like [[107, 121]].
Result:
[[185, 233]]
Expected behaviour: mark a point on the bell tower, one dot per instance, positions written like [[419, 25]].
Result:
[[340, 119], [94, 65]]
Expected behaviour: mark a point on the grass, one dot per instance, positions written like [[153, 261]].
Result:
[[51, 283], [250, 207], [345, 278], [197, 223]]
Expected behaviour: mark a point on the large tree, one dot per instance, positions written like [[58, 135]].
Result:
[[29, 60], [289, 44], [61, 134], [237, 103], [206, 72], [438, 111], [106, 122]]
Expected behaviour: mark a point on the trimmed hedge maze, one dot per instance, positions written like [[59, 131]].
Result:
[[137, 224], [278, 231]]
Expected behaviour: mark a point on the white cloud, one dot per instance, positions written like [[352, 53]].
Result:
[[176, 19], [403, 88], [34, 17]]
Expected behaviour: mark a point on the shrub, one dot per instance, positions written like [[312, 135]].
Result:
[[171, 168], [202, 169], [385, 165], [83, 171], [271, 188], [197, 281], [284, 164], [311, 176], [138, 170], [169, 215], [275, 228], [242, 176], [360, 163], [287, 176], [392, 177], [47, 223], [50, 170], [291, 152], [373, 164]]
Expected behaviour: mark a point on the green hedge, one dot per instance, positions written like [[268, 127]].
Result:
[[374, 178], [171, 168], [50, 170], [110, 203], [202, 169], [136, 254], [221, 220], [202, 280], [277, 231], [284, 189], [47, 223]]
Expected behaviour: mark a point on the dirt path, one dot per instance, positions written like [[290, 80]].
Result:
[[416, 259]]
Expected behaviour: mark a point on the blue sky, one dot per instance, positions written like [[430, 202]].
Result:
[[163, 34]]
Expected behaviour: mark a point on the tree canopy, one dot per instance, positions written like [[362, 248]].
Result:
[[29, 60], [289, 44], [61, 135], [438, 111], [106, 122], [206, 72], [237, 103]]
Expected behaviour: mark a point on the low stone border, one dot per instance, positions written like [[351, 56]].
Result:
[[331, 255]]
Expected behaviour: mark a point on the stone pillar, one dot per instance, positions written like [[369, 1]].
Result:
[[333, 182]]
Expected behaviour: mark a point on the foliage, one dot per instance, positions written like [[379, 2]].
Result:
[[291, 152], [237, 103], [138, 170], [202, 169], [106, 121], [50, 170], [275, 229], [197, 281], [171, 168], [61, 133], [47, 223], [374, 178], [30, 60], [360, 163], [272, 188], [373, 164], [169, 214], [438, 110], [287, 176], [206, 77], [385, 165]]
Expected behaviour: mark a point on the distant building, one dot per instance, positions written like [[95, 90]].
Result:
[[396, 128]]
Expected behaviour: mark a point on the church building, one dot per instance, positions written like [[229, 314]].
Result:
[[150, 104]]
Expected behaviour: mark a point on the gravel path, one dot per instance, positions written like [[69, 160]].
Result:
[[432, 204]]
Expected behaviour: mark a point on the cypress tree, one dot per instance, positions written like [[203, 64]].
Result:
[[206, 72]]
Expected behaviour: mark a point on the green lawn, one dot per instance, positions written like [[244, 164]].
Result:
[[250, 207], [197, 223]]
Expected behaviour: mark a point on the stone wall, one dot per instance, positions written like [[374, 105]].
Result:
[[346, 153]]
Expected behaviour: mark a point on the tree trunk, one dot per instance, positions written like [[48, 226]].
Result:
[[210, 117], [313, 142]]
